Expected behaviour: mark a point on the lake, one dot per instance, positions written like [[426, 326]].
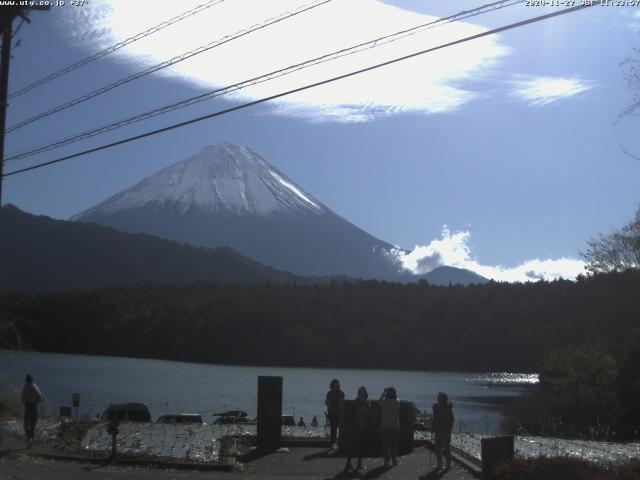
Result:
[[479, 399]]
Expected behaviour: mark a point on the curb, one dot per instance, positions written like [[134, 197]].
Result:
[[471, 465], [133, 462]]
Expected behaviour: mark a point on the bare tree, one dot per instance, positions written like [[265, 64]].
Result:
[[616, 251], [631, 74]]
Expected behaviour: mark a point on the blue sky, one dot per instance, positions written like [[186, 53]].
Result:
[[511, 141]]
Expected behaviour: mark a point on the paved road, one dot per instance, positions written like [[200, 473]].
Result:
[[303, 463]]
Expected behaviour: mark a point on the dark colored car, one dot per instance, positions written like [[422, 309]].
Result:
[[231, 417], [127, 412], [288, 421], [181, 418]]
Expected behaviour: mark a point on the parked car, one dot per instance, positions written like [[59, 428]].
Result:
[[288, 421], [181, 418], [127, 412], [231, 417]]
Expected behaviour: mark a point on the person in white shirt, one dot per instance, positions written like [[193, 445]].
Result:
[[30, 396], [389, 424]]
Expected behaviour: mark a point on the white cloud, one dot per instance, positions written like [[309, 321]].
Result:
[[452, 249], [427, 84], [544, 90]]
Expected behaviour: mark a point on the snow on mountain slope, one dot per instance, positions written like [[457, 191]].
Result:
[[220, 178], [227, 195]]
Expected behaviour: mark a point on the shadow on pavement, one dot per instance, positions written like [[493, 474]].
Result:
[[432, 475], [328, 453], [376, 472], [348, 474], [253, 455]]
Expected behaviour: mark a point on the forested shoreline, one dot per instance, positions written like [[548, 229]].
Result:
[[365, 324]]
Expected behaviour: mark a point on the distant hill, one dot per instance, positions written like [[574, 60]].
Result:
[[444, 276], [38, 253]]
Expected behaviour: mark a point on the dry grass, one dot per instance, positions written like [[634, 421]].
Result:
[[10, 406]]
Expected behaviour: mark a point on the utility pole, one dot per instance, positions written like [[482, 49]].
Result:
[[4, 85]]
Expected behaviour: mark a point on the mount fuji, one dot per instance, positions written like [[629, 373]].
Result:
[[227, 195]]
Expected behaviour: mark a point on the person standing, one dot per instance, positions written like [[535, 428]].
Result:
[[441, 426], [30, 396], [389, 424], [332, 401], [359, 422]]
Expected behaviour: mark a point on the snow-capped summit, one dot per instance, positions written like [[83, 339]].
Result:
[[227, 195], [223, 178]]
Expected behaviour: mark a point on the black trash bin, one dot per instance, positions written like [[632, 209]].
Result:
[[373, 447], [407, 419]]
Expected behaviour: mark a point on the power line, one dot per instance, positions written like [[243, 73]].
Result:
[[168, 63], [115, 47], [260, 79], [377, 42], [299, 89]]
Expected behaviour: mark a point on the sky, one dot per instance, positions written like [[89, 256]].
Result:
[[503, 154]]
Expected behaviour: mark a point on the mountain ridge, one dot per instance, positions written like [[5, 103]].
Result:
[[45, 254]]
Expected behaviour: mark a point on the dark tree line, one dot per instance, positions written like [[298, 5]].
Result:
[[366, 324]]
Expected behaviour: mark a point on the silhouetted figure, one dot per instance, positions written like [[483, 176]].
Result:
[[30, 396], [359, 418], [332, 401], [441, 426], [389, 424], [314, 421], [301, 423]]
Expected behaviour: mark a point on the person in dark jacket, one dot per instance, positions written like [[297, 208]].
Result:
[[334, 398], [441, 426], [359, 418], [30, 396]]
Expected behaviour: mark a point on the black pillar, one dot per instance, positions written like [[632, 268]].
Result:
[[269, 412], [494, 450]]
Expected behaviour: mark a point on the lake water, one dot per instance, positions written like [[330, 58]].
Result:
[[171, 387]]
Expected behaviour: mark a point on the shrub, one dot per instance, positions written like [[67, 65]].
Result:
[[576, 397], [565, 468]]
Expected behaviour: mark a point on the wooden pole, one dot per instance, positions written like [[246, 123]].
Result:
[[4, 85]]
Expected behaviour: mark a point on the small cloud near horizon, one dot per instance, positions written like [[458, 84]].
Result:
[[539, 91], [452, 249]]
